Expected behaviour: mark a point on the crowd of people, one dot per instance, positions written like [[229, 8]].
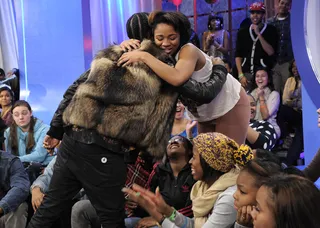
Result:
[[219, 168]]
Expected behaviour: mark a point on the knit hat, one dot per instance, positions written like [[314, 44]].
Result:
[[220, 152], [138, 27], [257, 6]]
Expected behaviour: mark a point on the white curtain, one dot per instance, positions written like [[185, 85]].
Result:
[[9, 55], [108, 19]]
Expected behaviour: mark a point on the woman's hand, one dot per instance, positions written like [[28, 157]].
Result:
[[129, 45], [146, 222], [244, 82], [145, 199], [260, 92], [190, 125], [131, 57], [244, 217]]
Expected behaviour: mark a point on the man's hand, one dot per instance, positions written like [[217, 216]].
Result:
[[244, 82], [256, 29], [129, 45], [37, 198], [50, 143]]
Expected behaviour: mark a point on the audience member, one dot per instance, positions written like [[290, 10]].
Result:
[[290, 114], [25, 136], [256, 45], [261, 134], [249, 181], [284, 50], [183, 126], [312, 171], [173, 178], [215, 167], [14, 188], [268, 100], [6, 102], [228, 112], [287, 201], [215, 41]]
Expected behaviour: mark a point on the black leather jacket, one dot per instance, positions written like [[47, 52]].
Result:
[[202, 93]]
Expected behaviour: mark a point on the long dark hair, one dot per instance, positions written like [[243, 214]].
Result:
[[209, 173], [13, 140], [270, 80], [294, 201], [177, 20]]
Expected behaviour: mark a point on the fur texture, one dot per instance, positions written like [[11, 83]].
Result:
[[127, 103]]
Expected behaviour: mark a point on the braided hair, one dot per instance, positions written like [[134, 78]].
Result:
[[138, 27]]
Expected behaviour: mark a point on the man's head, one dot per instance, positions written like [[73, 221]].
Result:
[[137, 26], [257, 12], [284, 7]]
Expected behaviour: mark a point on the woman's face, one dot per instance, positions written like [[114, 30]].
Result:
[[176, 147], [215, 23], [253, 107], [5, 98], [179, 111], [294, 69], [246, 190], [196, 168], [167, 38], [22, 116], [262, 214], [262, 79]]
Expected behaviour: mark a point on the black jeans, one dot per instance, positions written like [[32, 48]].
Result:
[[293, 118], [99, 171]]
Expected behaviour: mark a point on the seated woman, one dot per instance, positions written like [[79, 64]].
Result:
[[25, 136], [183, 126], [173, 178], [249, 181], [215, 41], [215, 166], [268, 100], [261, 134], [6, 102], [290, 114], [287, 201]]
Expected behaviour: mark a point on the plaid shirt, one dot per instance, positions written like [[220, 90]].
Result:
[[284, 50]]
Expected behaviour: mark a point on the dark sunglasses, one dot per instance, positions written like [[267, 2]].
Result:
[[177, 140]]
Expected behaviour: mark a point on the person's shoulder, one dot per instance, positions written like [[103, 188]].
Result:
[[6, 155], [271, 20], [271, 28]]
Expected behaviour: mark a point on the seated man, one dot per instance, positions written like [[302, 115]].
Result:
[[38, 190], [14, 187]]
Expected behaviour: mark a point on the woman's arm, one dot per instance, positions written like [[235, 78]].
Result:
[[225, 45], [175, 76], [204, 42], [204, 93], [288, 91]]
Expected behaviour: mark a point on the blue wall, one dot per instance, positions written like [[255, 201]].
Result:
[[51, 50], [311, 87]]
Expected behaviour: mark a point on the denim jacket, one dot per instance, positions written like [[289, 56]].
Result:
[[14, 183]]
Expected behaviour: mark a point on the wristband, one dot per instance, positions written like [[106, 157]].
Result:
[[172, 217], [240, 76]]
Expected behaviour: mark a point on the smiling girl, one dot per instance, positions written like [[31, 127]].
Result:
[[228, 112], [267, 99]]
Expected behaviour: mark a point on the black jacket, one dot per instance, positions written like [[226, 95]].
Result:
[[202, 93], [175, 191]]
